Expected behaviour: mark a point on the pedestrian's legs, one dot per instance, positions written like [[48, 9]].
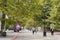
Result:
[[52, 32], [33, 32]]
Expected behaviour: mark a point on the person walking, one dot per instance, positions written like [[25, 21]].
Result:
[[33, 30], [52, 29], [17, 27]]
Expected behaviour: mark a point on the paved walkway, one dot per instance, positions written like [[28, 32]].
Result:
[[27, 35]]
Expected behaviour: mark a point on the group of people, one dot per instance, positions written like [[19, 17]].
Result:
[[34, 30]]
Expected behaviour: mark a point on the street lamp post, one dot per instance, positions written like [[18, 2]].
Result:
[[44, 17], [3, 32], [2, 22]]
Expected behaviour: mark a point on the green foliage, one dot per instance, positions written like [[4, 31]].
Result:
[[30, 13]]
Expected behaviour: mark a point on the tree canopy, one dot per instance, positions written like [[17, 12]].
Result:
[[31, 13]]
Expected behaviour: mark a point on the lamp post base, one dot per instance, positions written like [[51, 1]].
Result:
[[3, 34], [44, 33]]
